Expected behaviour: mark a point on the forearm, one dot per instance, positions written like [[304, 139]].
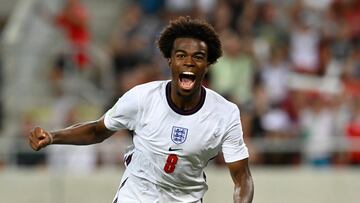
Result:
[[81, 134], [244, 192], [244, 185]]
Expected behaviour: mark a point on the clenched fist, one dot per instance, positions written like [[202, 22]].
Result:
[[39, 138]]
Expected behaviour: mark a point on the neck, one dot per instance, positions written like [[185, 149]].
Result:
[[185, 104]]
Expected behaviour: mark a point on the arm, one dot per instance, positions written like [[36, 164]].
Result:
[[244, 186], [80, 134]]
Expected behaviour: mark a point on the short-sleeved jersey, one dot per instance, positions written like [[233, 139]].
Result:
[[172, 147]]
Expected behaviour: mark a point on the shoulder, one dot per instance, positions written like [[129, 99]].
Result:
[[149, 87], [219, 102], [215, 97]]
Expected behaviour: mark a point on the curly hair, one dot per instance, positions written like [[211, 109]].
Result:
[[192, 28]]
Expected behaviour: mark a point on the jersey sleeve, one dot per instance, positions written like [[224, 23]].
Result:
[[124, 113], [234, 147]]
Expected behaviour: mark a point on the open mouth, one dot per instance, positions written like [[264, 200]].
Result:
[[187, 80]]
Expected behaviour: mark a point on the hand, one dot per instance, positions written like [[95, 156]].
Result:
[[39, 138]]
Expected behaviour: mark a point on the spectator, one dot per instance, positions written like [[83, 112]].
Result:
[[73, 19], [253, 128], [152, 7], [280, 148], [233, 74], [353, 134], [275, 76], [268, 31], [352, 66], [304, 52], [222, 17], [351, 16], [130, 41], [317, 122]]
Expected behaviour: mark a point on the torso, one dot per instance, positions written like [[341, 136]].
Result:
[[162, 133]]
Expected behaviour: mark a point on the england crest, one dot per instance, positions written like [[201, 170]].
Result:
[[179, 135]]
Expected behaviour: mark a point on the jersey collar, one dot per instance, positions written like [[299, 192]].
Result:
[[181, 111]]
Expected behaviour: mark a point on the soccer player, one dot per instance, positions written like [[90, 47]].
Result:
[[178, 125]]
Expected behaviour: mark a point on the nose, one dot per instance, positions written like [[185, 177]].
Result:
[[189, 61]]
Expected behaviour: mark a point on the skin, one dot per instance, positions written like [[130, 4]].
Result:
[[187, 55], [243, 182]]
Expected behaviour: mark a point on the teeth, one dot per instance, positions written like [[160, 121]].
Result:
[[188, 73]]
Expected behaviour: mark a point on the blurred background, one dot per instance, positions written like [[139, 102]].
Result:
[[292, 67]]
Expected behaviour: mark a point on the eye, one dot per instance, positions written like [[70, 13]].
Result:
[[180, 56], [199, 57]]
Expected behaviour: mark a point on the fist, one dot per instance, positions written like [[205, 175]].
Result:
[[39, 138]]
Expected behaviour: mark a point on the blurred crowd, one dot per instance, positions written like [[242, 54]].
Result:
[[292, 67]]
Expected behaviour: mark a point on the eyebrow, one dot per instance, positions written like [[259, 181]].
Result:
[[195, 53]]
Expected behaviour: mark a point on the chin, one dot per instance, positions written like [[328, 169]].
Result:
[[187, 93]]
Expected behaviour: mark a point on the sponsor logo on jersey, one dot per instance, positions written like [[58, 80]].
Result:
[[179, 134], [174, 149]]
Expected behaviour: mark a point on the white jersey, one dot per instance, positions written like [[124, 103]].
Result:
[[172, 147]]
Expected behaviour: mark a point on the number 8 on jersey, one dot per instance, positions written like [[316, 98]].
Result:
[[170, 163]]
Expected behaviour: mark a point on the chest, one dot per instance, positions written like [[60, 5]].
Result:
[[165, 131]]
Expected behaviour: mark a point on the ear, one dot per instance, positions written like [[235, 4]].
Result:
[[207, 68], [169, 61]]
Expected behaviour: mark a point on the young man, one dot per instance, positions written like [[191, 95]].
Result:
[[178, 125]]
